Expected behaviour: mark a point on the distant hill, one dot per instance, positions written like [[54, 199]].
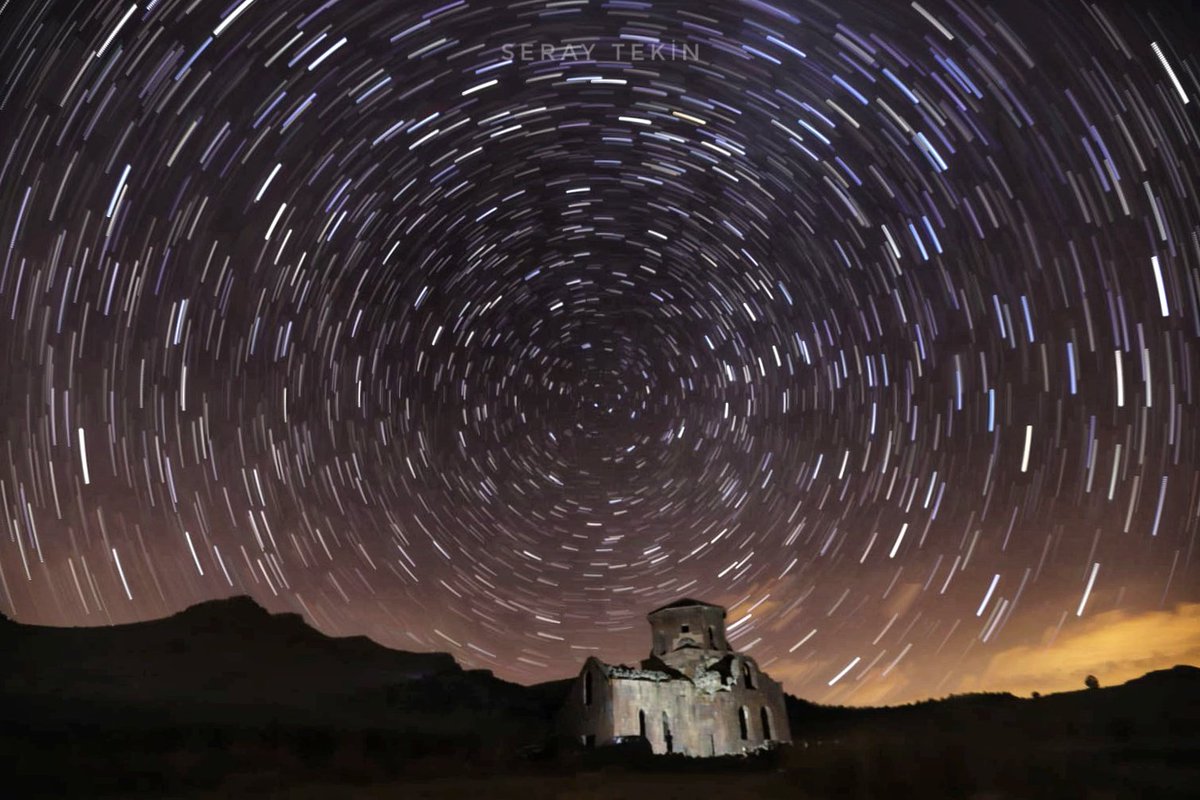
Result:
[[1163, 703], [232, 661]]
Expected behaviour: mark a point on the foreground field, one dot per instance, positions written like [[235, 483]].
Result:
[[859, 769], [582, 786]]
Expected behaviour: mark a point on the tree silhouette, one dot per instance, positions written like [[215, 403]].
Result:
[[1091, 682]]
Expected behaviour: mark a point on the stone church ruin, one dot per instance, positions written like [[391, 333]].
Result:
[[693, 695]]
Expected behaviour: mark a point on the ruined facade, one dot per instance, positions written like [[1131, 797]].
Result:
[[693, 695]]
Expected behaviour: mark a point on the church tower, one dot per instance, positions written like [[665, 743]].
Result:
[[687, 624]]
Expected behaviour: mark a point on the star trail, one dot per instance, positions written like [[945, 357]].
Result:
[[488, 327]]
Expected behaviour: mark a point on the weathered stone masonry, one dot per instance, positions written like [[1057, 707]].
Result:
[[694, 694]]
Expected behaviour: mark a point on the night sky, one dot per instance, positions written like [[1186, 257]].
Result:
[[876, 322]]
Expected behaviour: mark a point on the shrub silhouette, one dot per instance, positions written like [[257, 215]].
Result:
[[1091, 682]]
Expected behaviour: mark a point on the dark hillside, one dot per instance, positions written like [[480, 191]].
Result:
[[1139, 739]]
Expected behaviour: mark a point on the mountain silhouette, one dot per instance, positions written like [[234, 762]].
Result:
[[230, 661]]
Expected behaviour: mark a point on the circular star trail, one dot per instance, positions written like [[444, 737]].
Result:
[[488, 327]]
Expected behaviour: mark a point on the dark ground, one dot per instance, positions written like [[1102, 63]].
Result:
[[225, 700]]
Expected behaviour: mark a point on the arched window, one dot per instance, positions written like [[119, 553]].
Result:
[[712, 638], [766, 723], [668, 740], [748, 674], [587, 688], [642, 724], [743, 723]]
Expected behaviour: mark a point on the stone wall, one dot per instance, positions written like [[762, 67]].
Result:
[[585, 716], [700, 723]]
